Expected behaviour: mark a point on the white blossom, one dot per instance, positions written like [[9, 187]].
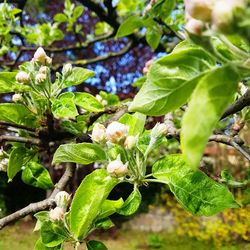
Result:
[[116, 168], [56, 214], [62, 199], [22, 77], [98, 133], [116, 132]]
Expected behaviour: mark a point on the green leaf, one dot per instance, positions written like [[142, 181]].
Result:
[[78, 76], [78, 11], [83, 153], [135, 122], [194, 190], [36, 175], [110, 98], [105, 224], [61, 18], [129, 26], [8, 83], [132, 203], [41, 217], [95, 245], [40, 246], [153, 34], [139, 82], [16, 161], [171, 80], [88, 200], [213, 94], [17, 113], [64, 106], [109, 207], [88, 102], [50, 236]]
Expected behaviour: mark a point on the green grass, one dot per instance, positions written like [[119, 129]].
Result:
[[21, 237]]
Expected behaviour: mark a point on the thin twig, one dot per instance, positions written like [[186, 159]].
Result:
[[12, 138]]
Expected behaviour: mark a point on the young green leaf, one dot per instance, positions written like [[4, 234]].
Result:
[[36, 175], [109, 207], [105, 223], [195, 191], [16, 161], [213, 94], [172, 79], [135, 122], [40, 246], [83, 153], [129, 26], [61, 18], [88, 102], [50, 236], [132, 203], [95, 245], [78, 76], [64, 106], [17, 113], [88, 200]]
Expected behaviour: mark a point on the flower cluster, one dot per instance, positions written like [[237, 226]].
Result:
[[220, 14]]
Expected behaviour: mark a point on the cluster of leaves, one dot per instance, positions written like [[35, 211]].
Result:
[[156, 19]]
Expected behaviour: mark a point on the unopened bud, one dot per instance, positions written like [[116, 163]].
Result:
[[4, 164], [43, 70], [117, 168], [159, 130], [194, 26], [40, 56], [16, 97], [48, 60], [56, 214], [116, 132], [62, 199], [200, 9], [223, 14], [40, 78], [22, 77], [67, 69], [130, 142], [147, 8], [98, 133], [98, 98]]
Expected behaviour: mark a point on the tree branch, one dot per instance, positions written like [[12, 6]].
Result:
[[12, 138], [99, 58], [9, 124], [238, 105], [41, 205]]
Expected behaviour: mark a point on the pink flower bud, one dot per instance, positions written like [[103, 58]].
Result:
[[40, 56], [56, 214], [98, 133], [22, 77], [116, 132], [117, 168], [200, 9], [194, 26], [147, 66], [62, 199], [16, 97]]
